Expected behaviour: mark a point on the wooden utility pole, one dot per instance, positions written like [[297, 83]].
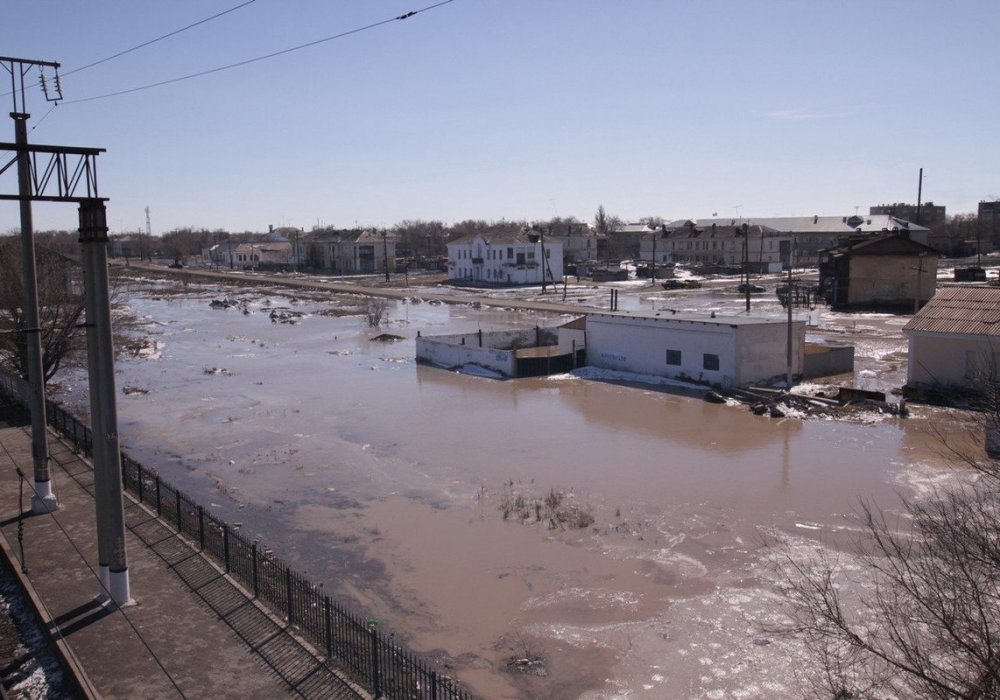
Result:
[[920, 192]]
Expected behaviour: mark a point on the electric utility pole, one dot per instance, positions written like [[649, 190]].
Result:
[[385, 253], [69, 174], [920, 192], [149, 234], [43, 500]]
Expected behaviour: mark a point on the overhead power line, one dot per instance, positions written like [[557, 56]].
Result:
[[148, 43], [160, 38], [257, 59]]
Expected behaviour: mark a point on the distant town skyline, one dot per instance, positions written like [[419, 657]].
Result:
[[517, 109]]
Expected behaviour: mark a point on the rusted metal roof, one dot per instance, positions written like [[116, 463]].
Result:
[[961, 311]]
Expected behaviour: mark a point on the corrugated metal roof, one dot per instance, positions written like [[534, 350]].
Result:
[[961, 311]]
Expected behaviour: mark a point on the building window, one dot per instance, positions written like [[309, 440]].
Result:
[[510, 253], [711, 362], [674, 357]]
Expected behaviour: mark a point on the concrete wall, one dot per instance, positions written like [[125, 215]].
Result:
[[493, 350], [763, 351], [893, 281], [747, 353], [955, 360], [443, 353], [569, 336], [827, 359]]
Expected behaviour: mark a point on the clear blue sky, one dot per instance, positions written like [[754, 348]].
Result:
[[518, 108]]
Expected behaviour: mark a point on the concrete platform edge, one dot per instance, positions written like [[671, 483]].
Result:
[[79, 679]]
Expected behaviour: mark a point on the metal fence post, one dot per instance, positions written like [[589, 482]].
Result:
[[180, 528], [138, 471], [288, 592], [256, 585], [201, 527], [159, 507], [328, 626], [376, 676], [225, 544]]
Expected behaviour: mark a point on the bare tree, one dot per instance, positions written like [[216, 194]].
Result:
[[376, 311], [920, 616], [60, 300]]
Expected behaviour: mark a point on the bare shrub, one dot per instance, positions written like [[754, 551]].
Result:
[[920, 616], [556, 509], [376, 311]]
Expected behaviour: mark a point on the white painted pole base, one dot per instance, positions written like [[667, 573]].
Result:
[[120, 593], [43, 500], [104, 575]]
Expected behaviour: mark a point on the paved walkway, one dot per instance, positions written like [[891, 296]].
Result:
[[192, 632]]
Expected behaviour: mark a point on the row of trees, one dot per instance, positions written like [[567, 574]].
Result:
[[414, 237]]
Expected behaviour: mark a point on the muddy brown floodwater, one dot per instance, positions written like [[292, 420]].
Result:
[[398, 486]]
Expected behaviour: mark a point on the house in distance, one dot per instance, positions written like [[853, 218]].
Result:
[[886, 273]]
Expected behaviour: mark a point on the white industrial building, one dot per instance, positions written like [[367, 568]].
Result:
[[724, 350]]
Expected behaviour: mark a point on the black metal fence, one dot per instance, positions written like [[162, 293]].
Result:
[[350, 643]]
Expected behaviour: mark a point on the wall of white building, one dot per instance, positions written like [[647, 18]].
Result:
[[762, 351], [709, 350], [956, 360], [505, 263]]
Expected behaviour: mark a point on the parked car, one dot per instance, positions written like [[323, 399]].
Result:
[[750, 287], [680, 284], [176, 265]]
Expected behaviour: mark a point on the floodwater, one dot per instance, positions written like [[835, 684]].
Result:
[[388, 483]]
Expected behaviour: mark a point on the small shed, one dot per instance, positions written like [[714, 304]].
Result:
[[955, 339], [724, 350], [891, 273]]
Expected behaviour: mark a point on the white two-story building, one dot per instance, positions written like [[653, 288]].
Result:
[[505, 258]]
